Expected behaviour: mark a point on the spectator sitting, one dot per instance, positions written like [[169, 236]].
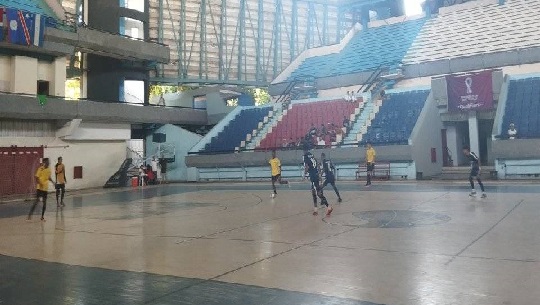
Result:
[[292, 143], [352, 97], [312, 130], [348, 96], [323, 130], [320, 141], [346, 123], [512, 132], [150, 176]]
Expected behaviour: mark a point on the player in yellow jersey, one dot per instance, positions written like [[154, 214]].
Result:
[[275, 166], [60, 171], [370, 162], [43, 176]]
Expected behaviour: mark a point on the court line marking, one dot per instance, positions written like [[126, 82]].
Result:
[[485, 233]]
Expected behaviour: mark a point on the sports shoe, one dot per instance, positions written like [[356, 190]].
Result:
[[472, 194], [273, 195], [62, 203], [484, 195], [329, 211], [42, 219], [339, 199]]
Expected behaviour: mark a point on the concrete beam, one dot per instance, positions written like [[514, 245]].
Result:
[[27, 107], [111, 45], [294, 157]]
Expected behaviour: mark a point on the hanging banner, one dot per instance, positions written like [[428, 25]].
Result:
[[470, 92]]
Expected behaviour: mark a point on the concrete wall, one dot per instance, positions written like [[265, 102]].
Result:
[[99, 159], [354, 155], [182, 140], [19, 74], [425, 136], [216, 108]]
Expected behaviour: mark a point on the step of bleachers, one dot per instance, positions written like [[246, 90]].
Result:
[[522, 108], [367, 50], [486, 28], [396, 118]]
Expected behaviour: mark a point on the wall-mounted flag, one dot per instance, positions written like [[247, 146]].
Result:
[[25, 28]]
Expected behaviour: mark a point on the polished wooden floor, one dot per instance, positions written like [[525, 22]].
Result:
[[393, 243]]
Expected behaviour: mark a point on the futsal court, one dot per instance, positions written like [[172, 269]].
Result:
[[394, 244]]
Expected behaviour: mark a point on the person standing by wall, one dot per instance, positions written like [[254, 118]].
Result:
[[60, 185], [43, 176], [163, 166], [155, 167], [370, 162]]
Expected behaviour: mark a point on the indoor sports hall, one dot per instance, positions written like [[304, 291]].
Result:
[[369, 152]]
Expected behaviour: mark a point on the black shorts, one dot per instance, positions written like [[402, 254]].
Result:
[[475, 171], [42, 194], [329, 179], [60, 186], [370, 167], [276, 178]]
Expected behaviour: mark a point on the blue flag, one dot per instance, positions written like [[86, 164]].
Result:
[[25, 28]]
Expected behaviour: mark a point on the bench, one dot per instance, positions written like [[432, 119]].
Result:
[[381, 172]]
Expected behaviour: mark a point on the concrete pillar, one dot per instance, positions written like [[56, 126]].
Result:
[[58, 77], [452, 142], [474, 141], [24, 75]]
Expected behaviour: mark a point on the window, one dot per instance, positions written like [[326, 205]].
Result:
[[134, 91], [132, 28], [137, 5]]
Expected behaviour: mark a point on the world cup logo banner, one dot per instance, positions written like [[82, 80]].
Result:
[[470, 92]]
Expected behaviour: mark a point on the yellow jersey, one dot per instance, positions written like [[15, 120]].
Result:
[[43, 175], [275, 165], [60, 173], [370, 155]]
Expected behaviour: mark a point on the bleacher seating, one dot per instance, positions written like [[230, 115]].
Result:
[[32, 6], [300, 117], [485, 28], [237, 129], [396, 118], [523, 108], [367, 50]]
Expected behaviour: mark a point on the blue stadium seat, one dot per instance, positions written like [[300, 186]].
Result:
[[522, 106], [396, 118], [367, 50], [237, 129]]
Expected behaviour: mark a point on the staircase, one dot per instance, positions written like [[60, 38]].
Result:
[[375, 84], [253, 140], [120, 178], [360, 123]]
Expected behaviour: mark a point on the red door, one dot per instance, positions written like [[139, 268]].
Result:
[[19, 167]]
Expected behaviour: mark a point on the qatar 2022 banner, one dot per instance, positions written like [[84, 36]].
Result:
[[470, 92]]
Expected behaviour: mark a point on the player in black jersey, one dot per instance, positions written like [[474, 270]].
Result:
[[311, 169], [475, 171], [328, 169]]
